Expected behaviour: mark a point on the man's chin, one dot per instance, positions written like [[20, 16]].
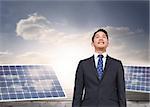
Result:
[[101, 48]]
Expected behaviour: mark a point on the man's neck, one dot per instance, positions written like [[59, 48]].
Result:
[[100, 51]]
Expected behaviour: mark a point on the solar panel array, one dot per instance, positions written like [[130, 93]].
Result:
[[137, 78], [29, 82]]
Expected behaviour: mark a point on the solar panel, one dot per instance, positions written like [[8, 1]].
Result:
[[137, 78], [29, 82]]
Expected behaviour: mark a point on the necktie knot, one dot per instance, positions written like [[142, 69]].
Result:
[[100, 56]]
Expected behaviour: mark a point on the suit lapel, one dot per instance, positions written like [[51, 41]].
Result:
[[107, 64], [92, 63]]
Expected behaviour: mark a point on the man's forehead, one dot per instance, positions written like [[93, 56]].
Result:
[[100, 33]]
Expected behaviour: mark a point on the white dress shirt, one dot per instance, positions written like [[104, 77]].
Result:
[[96, 59]]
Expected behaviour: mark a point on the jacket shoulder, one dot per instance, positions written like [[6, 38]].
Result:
[[114, 59], [86, 59]]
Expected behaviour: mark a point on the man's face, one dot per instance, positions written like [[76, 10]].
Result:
[[100, 41]]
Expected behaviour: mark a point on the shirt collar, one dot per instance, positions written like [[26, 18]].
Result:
[[96, 55]]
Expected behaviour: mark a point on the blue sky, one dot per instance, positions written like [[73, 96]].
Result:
[[79, 14], [59, 32]]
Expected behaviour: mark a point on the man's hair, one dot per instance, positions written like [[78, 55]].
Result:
[[99, 30]]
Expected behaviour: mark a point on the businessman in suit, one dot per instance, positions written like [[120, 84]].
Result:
[[99, 79]]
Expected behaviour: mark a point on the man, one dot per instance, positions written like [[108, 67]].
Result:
[[99, 80]]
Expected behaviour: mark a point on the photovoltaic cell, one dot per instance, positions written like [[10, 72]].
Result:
[[137, 78], [29, 82]]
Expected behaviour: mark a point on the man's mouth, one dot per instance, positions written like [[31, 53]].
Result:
[[100, 42]]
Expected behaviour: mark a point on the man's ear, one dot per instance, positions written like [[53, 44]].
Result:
[[108, 43]]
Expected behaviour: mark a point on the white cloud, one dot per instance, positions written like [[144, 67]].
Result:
[[36, 27], [5, 53], [119, 31], [32, 58]]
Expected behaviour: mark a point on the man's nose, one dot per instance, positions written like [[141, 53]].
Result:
[[100, 38]]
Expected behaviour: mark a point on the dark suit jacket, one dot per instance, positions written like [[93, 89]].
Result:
[[89, 91]]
